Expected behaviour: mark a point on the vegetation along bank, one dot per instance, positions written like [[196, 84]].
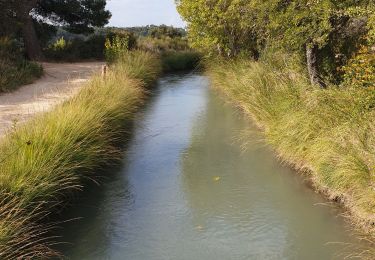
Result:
[[304, 71], [45, 161]]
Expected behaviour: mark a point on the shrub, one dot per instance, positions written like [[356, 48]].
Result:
[[163, 44], [179, 61], [15, 70], [76, 49], [93, 47], [360, 71], [116, 47]]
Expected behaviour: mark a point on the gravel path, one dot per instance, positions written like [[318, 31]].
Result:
[[60, 81]]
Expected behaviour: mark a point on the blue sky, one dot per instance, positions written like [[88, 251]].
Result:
[[126, 13]]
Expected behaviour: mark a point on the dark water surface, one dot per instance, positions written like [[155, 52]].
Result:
[[189, 190]]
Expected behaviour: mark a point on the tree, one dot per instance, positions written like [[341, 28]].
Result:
[[8, 21], [226, 26], [316, 25], [326, 32], [78, 16]]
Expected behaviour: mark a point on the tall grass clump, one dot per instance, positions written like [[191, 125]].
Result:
[[48, 159], [329, 133]]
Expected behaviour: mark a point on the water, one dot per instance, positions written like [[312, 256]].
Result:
[[189, 190]]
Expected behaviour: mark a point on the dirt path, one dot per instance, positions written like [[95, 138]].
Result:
[[60, 82]]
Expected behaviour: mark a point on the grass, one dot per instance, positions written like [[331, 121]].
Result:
[[47, 160], [329, 133], [13, 75]]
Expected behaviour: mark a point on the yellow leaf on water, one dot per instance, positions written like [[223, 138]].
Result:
[[199, 227], [217, 178]]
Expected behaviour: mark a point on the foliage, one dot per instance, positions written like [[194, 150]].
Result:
[[9, 24], [360, 70], [76, 49], [111, 42], [328, 25], [30, 17], [45, 32], [117, 45], [73, 47], [334, 29], [153, 31], [166, 31], [60, 44], [14, 69], [223, 26], [180, 61], [76, 15], [371, 27], [47, 160], [163, 44], [157, 39]]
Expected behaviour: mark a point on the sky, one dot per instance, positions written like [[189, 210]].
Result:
[[127, 13]]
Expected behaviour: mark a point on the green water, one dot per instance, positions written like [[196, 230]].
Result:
[[190, 189]]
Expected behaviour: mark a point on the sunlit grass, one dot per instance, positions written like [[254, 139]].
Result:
[[46, 160]]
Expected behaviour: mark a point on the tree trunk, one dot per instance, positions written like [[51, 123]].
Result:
[[312, 65], [32, 45]]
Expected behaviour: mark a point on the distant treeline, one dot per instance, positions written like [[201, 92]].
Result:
[[155, 31], [62, 44]]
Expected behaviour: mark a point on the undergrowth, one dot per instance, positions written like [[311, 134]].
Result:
[[15, 70], [180, 60]]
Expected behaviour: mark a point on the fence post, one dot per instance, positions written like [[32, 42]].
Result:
[[104, 71]]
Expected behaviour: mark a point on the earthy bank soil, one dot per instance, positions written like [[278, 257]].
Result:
[[60, 81]]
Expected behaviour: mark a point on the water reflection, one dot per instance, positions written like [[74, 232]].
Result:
[[89, 231], [244, 203]]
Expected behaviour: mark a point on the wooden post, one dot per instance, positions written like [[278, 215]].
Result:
[[104, 71]]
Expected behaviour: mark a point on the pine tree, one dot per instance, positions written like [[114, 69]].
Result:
[[78, 16]]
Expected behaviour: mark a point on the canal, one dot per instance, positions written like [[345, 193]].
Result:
[[189, 188]]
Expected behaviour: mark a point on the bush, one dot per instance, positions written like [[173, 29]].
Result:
[[93, 47], [360, 71], [15, 70], [96, 46], [76, 49], [163, 44], [116, 47], [180, 61]]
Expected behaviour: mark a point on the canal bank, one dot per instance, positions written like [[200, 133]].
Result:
[[46, 161], [188, 189], [326, 133]]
